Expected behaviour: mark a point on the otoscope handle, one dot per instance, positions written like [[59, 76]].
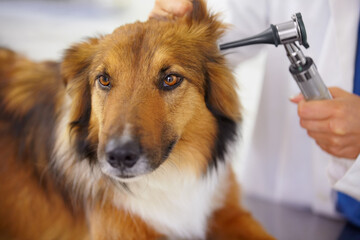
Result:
[[309, 81]]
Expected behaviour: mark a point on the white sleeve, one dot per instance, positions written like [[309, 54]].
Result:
[[246, 18], [345, 176]]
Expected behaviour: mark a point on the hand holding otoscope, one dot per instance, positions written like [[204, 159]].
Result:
[[302, 68]]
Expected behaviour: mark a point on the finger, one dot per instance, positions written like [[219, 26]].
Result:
[[333, 139], [321, 126], [177, 8], [337, 92], [329, 126], [316, 109], [158, 14], [348, 152], [340, 146], [334, 91]]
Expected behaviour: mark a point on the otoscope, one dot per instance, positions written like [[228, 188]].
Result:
[[302, 68]]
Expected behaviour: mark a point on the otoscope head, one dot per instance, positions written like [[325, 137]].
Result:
[[282, 33], [292, 31]]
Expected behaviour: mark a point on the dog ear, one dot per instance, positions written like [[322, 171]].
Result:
[[221, 87], [78, 58], [200, 11], [221, 96], [201, 15], [75, 70]]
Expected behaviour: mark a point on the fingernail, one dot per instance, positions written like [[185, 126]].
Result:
[[295, 96]]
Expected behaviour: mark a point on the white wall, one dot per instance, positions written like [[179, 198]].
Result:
[[43, 29]]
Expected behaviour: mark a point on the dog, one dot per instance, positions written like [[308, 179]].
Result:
[[126, 138]]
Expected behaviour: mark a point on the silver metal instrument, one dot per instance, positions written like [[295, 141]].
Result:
[[291, 34]]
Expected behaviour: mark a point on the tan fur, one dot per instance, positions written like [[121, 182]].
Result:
[[104, 225], [225, 222], [26, 210], [56, 121]]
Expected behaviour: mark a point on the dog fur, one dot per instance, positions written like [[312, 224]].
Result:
[[59, 120]]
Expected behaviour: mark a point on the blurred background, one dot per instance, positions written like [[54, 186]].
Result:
[[43, 29]]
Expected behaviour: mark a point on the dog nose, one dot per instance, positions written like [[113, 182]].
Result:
[[122, 155]]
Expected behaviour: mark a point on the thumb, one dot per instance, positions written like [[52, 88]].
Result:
[[337, 92], [297, 98]]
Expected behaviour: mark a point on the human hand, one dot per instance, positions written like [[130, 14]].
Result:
[[164, 8], [333, 124]]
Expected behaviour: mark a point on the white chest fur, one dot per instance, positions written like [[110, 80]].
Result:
[[176, 203]]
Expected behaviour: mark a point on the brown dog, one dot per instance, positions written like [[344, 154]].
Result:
[[125, 139]]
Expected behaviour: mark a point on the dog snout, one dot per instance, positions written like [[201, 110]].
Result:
[[122, 155]]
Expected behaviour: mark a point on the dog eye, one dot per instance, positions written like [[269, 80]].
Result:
[[171, 81], [104, 80]]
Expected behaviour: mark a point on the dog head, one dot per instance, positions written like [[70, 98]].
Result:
[[152, 93]]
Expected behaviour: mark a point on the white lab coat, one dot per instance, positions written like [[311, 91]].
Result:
[[283, 164]]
